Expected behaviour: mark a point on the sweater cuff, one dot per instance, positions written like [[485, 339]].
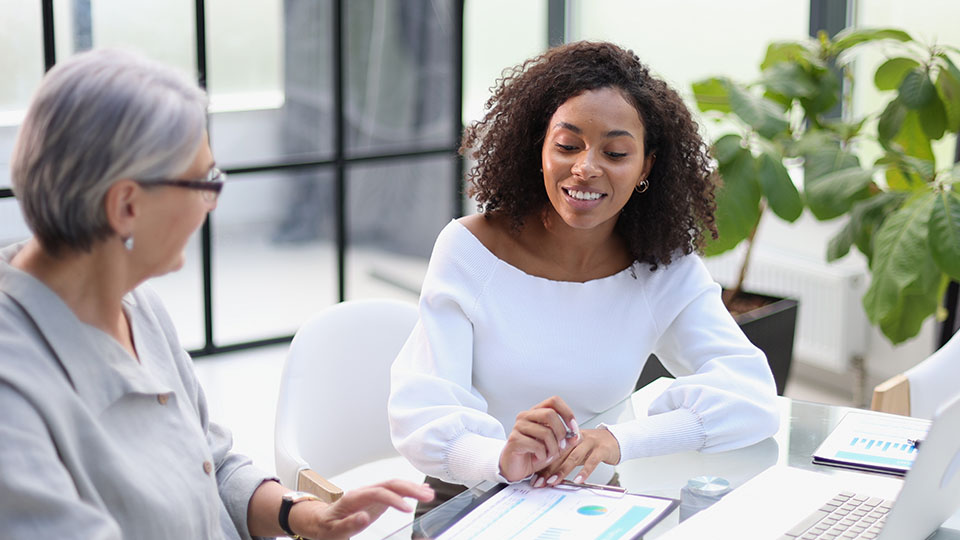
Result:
[[473, 458], [679, 430]]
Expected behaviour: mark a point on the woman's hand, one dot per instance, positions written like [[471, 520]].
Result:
[[596, 446], [539, 436], [357, 509]]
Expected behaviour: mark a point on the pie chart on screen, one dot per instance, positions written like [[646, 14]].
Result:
[[592, 510]]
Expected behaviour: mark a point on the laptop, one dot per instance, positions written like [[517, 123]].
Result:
[[777, 500]]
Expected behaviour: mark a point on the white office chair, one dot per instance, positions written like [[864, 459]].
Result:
[[332, 410], [921, 390]]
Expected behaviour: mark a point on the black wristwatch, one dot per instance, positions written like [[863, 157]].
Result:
[[286, 503]]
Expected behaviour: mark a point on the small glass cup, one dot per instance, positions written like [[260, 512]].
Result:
[[700, 492]]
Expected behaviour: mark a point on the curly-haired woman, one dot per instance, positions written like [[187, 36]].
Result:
[[595, 192]]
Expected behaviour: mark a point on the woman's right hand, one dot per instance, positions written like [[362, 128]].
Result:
[[537, 439]]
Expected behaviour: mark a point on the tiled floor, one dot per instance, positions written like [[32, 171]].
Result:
[[242, 391]]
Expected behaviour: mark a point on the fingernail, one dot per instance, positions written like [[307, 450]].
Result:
[[549, 459], [563, 444], [578, 479], [539, 482], [552, 480], [575, 427]]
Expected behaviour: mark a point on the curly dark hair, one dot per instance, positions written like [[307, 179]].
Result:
[[673, 214]]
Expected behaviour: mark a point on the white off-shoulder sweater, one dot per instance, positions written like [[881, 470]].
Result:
[[493, 341]]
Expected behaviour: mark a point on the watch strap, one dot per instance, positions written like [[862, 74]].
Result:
[[284, 517], [286, 504]]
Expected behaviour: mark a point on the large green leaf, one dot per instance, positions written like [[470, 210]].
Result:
[[784, 51], [855, 36], [890, 74], [833, 194], [865, 217], [789, 79], [933, 118], [763, 115], [738, 202], [827, 94], [916, 89], [712, 95], [948, 89], [781, 194], [891, 119], [905, 281], [823, 156], [727, 148], [912, 139], [944, 233]]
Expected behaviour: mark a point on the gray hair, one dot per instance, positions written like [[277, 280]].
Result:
[[98, 117]]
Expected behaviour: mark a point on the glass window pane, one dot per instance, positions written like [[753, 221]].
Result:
[[269, 78], [274, 253], [484, 59], [12, 226], [21, 62], [395, 211], [721, 40], [163, 30], [399, 86], [182, 295]]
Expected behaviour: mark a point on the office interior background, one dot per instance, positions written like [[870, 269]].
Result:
[[338, 122]]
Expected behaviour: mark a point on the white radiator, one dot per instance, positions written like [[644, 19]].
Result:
[[832, 327]]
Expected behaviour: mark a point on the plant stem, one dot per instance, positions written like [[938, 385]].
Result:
[[733, 293]]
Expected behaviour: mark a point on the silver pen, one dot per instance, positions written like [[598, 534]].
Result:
[[604, 487]]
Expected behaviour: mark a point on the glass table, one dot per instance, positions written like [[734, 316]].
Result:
[[803, 426]]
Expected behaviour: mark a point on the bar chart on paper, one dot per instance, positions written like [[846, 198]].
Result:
[[873, 442]]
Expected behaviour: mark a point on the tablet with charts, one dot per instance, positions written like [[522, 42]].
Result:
[[873, 442], [520, 512]]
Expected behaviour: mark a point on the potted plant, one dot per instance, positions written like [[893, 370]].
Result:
[[902, 212]]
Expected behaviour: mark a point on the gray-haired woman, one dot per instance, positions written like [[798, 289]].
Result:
[[104, 430]]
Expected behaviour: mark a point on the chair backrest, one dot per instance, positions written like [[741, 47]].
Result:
[[332, 409], [922, 389]]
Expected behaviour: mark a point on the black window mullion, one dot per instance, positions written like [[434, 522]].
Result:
[[206, 234], [339, 148]]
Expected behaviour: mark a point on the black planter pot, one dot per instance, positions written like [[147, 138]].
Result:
[[771, 328]]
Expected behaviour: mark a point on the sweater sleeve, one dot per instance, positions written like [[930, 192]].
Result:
[[724, 396], [438, 420]]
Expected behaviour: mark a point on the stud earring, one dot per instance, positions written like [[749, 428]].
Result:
[[642, 186], [128, 243]]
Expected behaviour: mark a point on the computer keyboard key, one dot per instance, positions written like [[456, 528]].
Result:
[[808, 522], [873, 501]]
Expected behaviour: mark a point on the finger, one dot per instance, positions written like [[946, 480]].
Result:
[[421, 492], [350, 525], [589, 465], [564, 467], [540, 435], [367, 497], [565, 412], [548, 418]]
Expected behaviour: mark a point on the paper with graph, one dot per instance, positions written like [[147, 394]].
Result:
[[519, 512], [873, 442]]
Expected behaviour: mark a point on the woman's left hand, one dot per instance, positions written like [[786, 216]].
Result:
[[596, 446]]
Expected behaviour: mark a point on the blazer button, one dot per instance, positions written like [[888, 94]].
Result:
[[207, 467], [162, 398]]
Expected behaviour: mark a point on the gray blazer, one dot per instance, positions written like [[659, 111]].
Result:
[[94, 444]]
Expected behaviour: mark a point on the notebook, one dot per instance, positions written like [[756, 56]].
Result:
[[773, 502]]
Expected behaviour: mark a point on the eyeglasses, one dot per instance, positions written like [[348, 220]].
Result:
[[211, 185]]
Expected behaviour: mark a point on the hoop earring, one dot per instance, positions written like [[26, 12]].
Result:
[[642, 186], [128, 243]]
